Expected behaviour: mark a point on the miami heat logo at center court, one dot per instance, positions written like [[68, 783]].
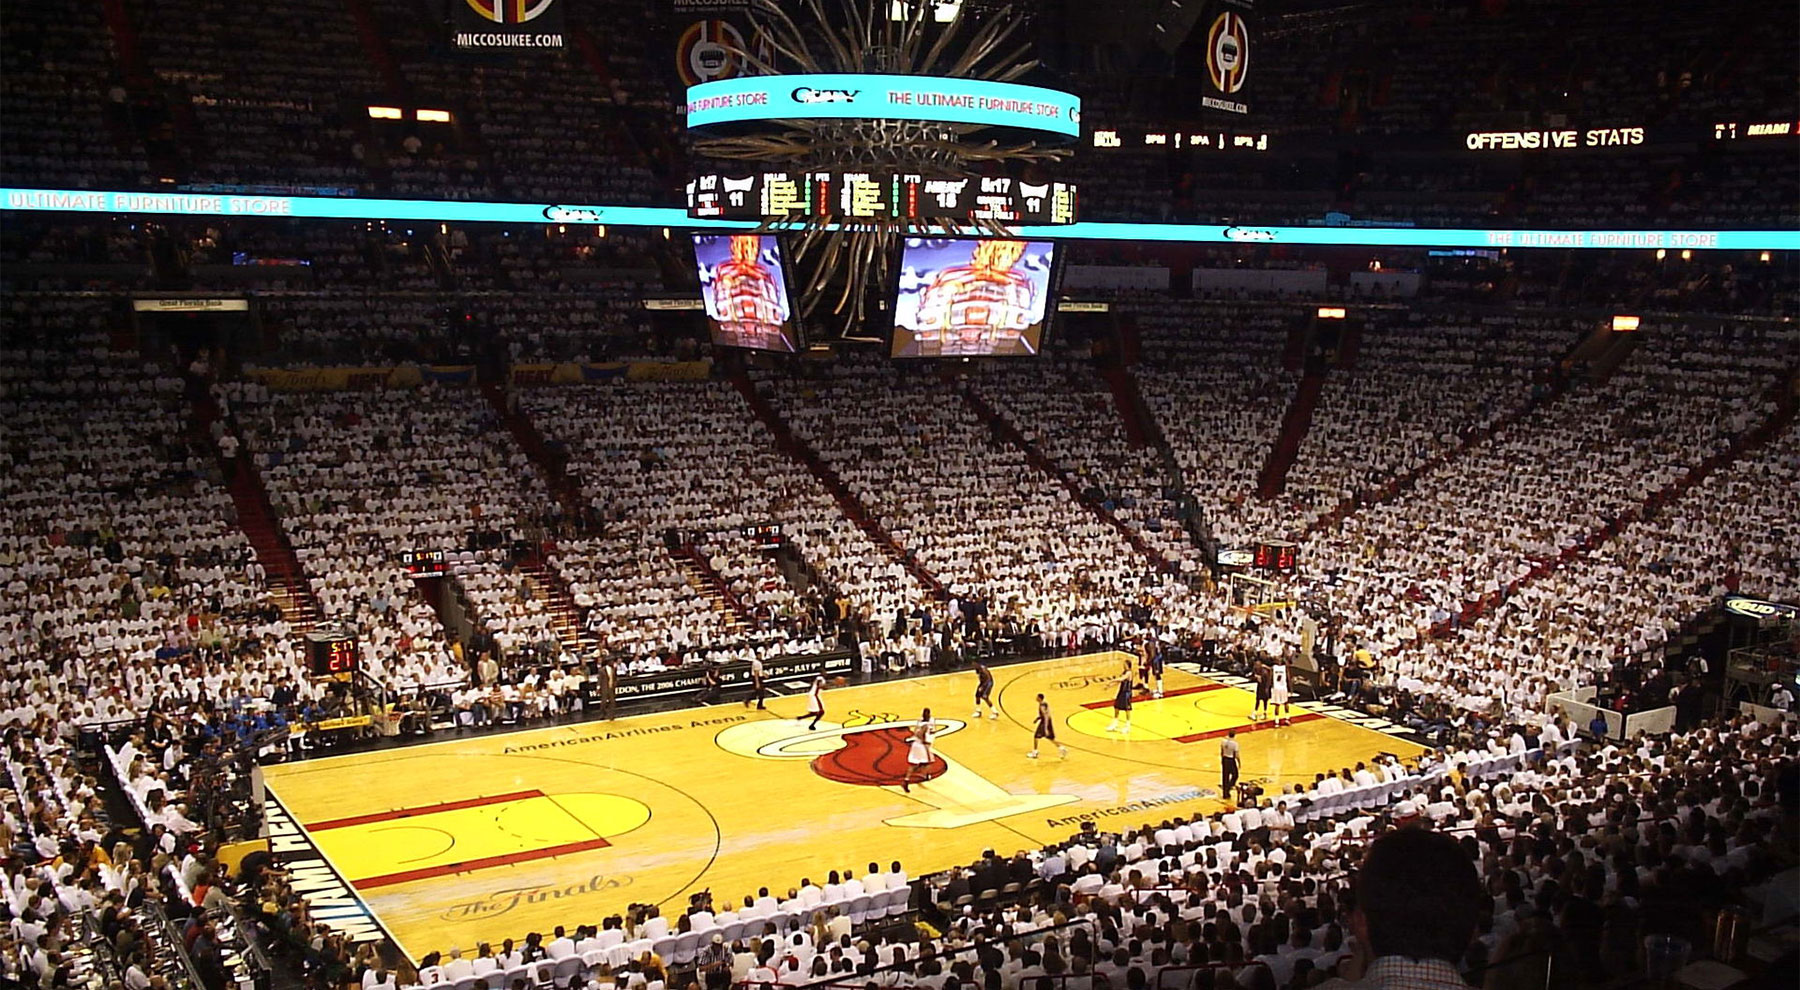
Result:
[[874, 755]]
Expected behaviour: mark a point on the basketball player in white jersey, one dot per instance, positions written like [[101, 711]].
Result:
[[918, 750], [1278, 692], [815, 702]]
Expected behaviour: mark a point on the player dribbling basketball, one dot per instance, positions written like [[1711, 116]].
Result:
[[1046, 729]]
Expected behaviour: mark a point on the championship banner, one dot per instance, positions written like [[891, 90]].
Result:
[[321, 379], [448, 374], [1226, 45], [484, 25], [669, 371], [706, 33], [591, 372]]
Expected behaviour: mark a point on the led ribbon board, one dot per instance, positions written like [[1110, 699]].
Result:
[[676, 218], [856, 96]]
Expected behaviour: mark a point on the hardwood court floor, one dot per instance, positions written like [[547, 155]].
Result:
[[479, 839]]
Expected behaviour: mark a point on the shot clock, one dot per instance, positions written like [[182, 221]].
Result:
[[332, 655]]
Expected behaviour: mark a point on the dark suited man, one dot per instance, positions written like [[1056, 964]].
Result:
[[606, 689]]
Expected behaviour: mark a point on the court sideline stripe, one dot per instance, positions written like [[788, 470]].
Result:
[[485, 862], [1146, 699], [423, 809], [1252, 727]]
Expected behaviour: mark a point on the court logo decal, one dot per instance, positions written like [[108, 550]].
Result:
[[500, 902], [873, 754], [642, 730], [1145, 804]]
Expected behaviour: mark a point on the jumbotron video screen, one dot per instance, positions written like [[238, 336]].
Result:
[[745, 288], [972, 298]]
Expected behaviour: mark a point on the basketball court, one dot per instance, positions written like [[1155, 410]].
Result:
[[453, 843]]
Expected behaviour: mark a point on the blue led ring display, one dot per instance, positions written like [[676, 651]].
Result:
[[857, 96]]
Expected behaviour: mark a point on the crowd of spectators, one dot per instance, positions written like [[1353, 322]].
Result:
[[1421, 384], [359, 477], [648, 455], [1524, 503], [1214, 380], [1067, 413], [1006, 540]]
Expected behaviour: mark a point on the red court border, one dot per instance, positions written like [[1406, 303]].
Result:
[[1145, 698], [486, 862], [423, 809], [1250, 727]]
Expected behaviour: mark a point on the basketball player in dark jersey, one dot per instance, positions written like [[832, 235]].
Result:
[[984, 690], [1264, 681], [1046, 729], [1121, 720]]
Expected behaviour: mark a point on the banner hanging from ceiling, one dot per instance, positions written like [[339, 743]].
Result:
[[1228, 45], [506, 25], [707, 36]]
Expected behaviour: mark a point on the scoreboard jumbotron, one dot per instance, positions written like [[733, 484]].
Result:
[[778, 196]]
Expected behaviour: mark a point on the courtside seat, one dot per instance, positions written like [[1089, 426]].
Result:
[[567, 967], [898, 901], [859, 907], [664, 947]]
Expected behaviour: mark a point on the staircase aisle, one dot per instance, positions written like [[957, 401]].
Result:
[[551, 465], [1009, 434], [1294, 425], [375, 46], [256, 516], [1392, 488], [1741, 445], [565, 616], [847, 501], [1140, 430], [711, 585]]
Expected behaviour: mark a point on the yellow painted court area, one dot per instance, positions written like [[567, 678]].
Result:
[[479, 839]]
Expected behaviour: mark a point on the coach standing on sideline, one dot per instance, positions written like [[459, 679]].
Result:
[[1228, 764], [606, 689]]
